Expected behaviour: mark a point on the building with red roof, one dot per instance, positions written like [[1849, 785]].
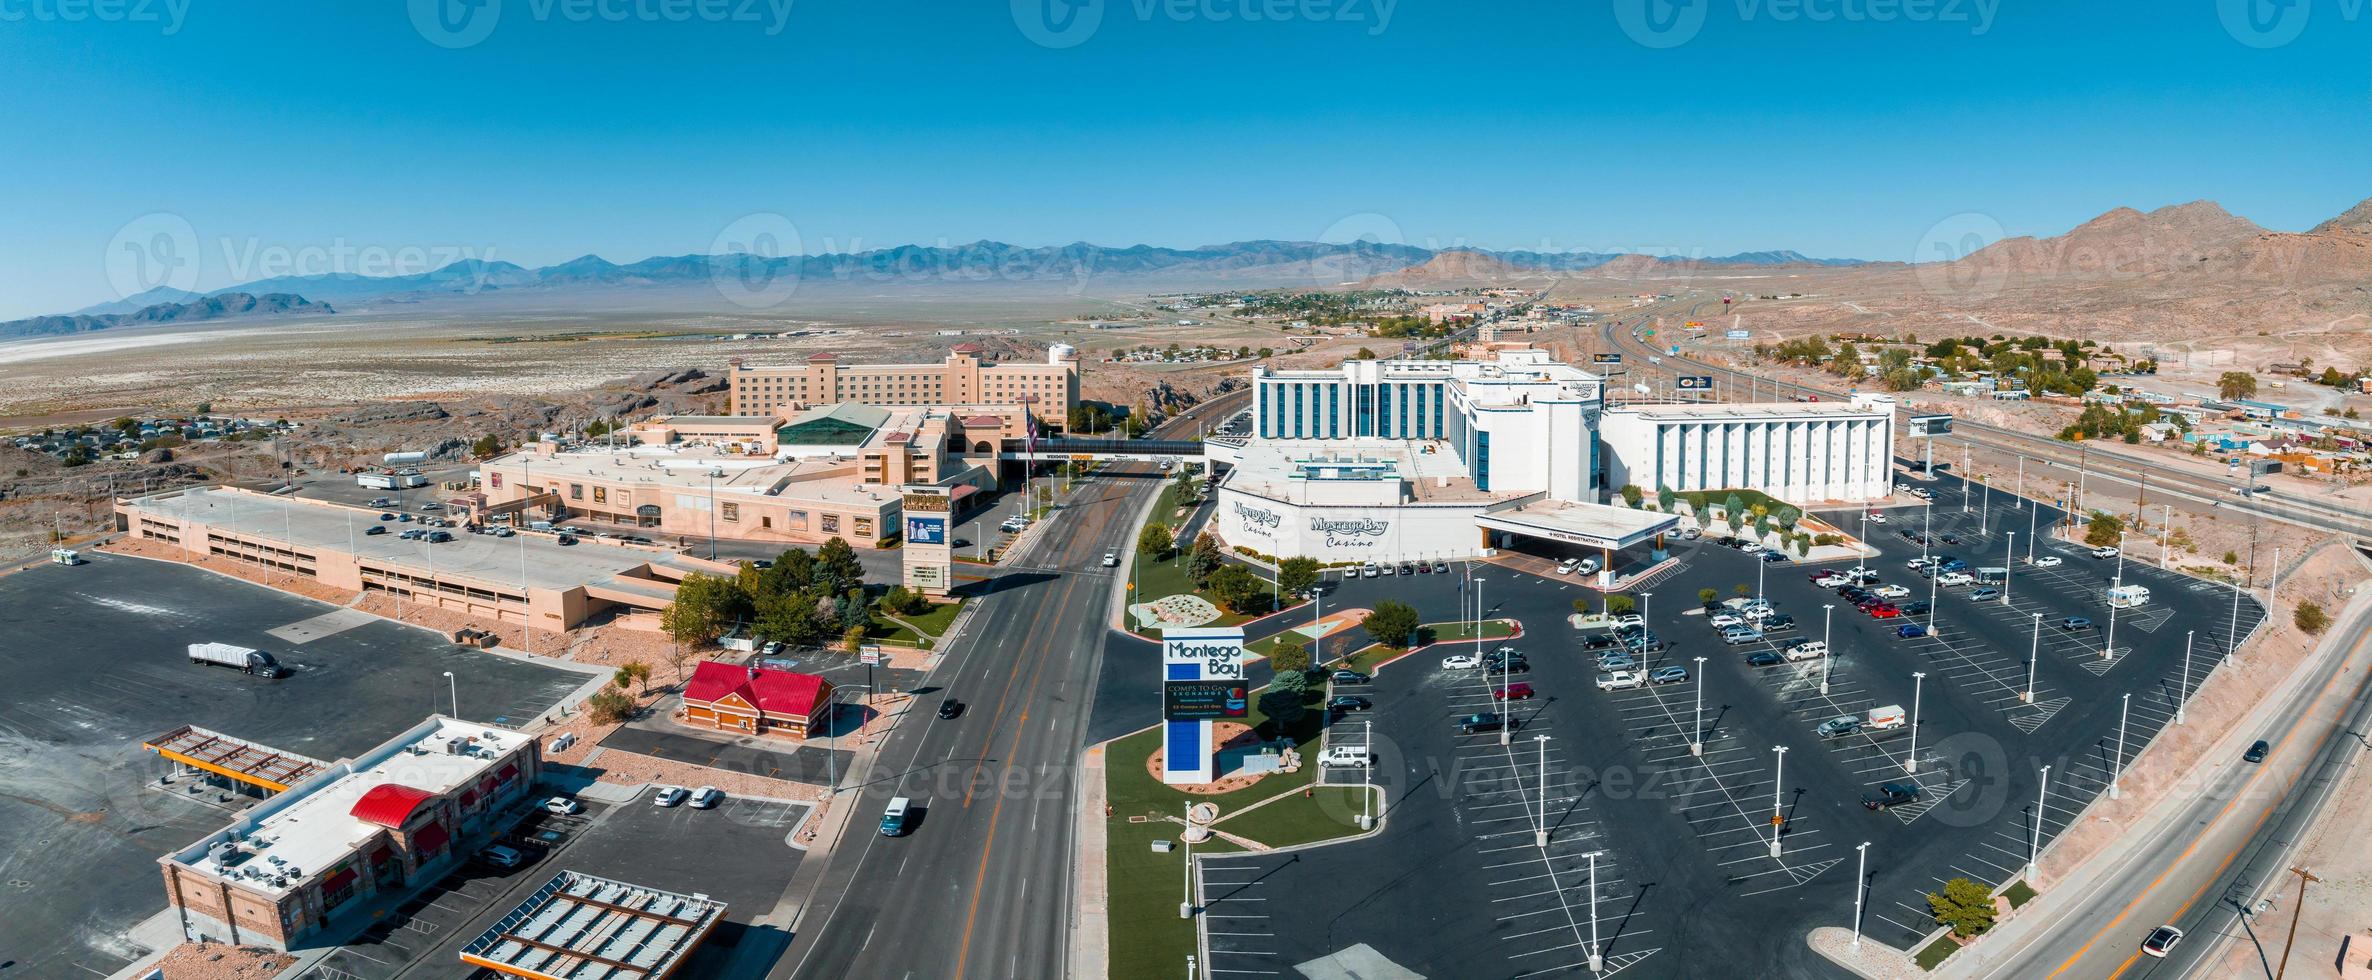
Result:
[[757, 700]]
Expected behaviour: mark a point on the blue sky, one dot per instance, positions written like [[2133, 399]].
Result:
[[272, 134]]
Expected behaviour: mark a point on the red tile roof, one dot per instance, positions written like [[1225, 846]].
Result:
[[774, 692], [389, 804], [983, 420], [966, 348]]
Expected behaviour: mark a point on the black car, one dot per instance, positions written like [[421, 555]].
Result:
[[1348, 702], [950, 708], [1441, 568], [1350, 677], [1774, 556], [1516, 666], [1915, 607], [1890, 796], [1599, 641], [566, 539], [1855, 593], [1764, 658], [377, 529], [1484, 722], [2256, 753], [387, 517]]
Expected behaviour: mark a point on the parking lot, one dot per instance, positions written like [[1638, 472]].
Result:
[[1686, 785], [738, 853], [96, 660]]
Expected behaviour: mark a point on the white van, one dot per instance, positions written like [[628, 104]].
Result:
[[893, 818], [539, 525]]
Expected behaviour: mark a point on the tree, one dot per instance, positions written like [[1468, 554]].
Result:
[[1363, 355], [2236, 384], [703, 605], [1289, 656], [1733, 510], [1297, 574], [486, 447], [1664, 498], [1708, 596], [1393, 623], [633, 673], [790, 618], [837, 568], [2106, 530], [1743, 589], [2310, 618], [1581, 606], [609, 707], [1203, 559], [1617, 605], [1155, 540], [853, 640], [1282, 704], [1631, 494], [1964, 905]]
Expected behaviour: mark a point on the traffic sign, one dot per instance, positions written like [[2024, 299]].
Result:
[[870, 653]]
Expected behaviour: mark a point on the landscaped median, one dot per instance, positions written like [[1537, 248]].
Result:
[[1281, 809]]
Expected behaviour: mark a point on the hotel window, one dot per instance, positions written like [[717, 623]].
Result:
[[831, 523], [576, 491], [600, 494], [732, 513]]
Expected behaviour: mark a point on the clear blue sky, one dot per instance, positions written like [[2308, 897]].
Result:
[[575, 126]]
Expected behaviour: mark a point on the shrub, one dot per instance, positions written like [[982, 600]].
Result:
[[2311, 618], [1707, 596], [608, 707], [1617, 605], [1964, 905]]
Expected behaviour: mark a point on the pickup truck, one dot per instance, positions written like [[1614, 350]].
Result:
[[1620, 680], [1808, 650], [1954, 578]]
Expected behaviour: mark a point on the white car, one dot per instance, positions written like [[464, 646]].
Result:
[[1620, 680], [1916, 564], [1877, 518], [1891, 591], [2104, 552], [563, 806], [707, 797], [1832, 580], [1111, 560], [1756, 614], [2047, 561], [1567, 566], [1586, 566], [1808, 650], [668, 796], [1726, 620], [1626, 619], [1460, 661], [1346, 757]]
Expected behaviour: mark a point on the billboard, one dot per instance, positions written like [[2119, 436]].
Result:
[[1202, 654], [1205, 700], [1739, 335], [1606, 359], [1693, 382], [2260, 467], [1930, 425], [926, 530]]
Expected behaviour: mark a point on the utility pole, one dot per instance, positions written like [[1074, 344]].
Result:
[[1860, 884], [1540, 840], [1827, 633], [2304, 876], [2009, 564], [2183, 693], [1186, 845], [1597, 958]]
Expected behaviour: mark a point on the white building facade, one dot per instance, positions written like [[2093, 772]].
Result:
[[1803, 453]]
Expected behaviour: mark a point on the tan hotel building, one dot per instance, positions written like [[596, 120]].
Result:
[[963, 379]]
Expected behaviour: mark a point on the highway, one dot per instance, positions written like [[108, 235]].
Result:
[[1621, 334], [983, 885]]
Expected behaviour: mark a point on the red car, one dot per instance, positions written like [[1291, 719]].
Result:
[[1884, 610], [1513, 692]]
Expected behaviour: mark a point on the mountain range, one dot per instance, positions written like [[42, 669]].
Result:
[[216, 307], [1246, 264]]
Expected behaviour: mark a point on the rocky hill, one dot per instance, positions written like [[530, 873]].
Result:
[[221, 306]]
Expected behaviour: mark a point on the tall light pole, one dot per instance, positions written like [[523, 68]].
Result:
[[1778, 780], [1918, 685], [2182, 695], [712, 512], [454, 687], [1540, 838], [1860, 885], [2034, 841], [2008, 565], [2232, 632], [2033, 653], [1597, 958], [2022, 501], [1696, 735], [1186, 842], [1964, 494], [1827, 633], [2031, 511], [2116, 775], [1985, 513]]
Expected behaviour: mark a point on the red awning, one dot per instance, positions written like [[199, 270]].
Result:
[[381, 853], [429, 838], [389, 804], [469, 798], [344, 877], [510, 770]]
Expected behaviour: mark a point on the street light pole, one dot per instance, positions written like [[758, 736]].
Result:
[[1778, 780], [2033, 652], [1597, 958], [1827, 633], [1186, 844], [1696, 735], [454, 687], [712, 514], [2182, 695], [1918, 685], [2034, 841], [1860, 885], [1540, 839], [2031, 511], [2118, 774], [2009, 564]]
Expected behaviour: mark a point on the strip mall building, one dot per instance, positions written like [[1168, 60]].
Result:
[[1399, 460]]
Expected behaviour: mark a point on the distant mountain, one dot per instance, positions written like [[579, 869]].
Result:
[[2353, 221], [1245, 264], [159, 296], [2124, 241], [1457, 267], [221, 306]]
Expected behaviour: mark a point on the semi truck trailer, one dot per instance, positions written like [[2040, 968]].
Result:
[[246, 659]]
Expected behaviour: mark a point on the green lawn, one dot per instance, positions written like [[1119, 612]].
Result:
[[1935, 952], [933, 624], [1495, 629], [1148, 937], [1156, 579], [2019, 893], [1332, 811]]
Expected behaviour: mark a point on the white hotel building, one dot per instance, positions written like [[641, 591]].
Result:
[[1396, 460]]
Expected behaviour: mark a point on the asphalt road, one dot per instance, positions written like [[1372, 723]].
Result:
[[980, 885], [2236, 840]]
